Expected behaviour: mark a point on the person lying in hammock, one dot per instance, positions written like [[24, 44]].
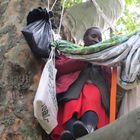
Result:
[[82, 93]]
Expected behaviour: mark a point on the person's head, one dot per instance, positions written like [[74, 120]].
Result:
[[92, 36]]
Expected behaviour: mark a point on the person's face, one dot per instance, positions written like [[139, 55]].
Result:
[[93, 36]]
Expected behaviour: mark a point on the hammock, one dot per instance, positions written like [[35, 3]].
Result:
[[119, 50]]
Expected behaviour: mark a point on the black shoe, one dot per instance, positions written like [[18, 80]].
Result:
[[66, 135], [79, 129]]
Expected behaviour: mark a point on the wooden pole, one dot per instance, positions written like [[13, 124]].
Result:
[[113, 95]]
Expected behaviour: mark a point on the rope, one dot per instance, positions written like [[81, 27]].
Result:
[[100, 12], [61, 16], [48, 4], [62, 12], [53, 5]]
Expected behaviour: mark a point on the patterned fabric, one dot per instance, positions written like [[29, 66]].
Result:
[[67, 47]]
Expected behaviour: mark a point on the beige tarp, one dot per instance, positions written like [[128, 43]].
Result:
[[80, 17]]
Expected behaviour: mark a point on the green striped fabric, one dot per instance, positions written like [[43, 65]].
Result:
[[71, 48]]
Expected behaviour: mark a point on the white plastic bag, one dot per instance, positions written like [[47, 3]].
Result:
[[45, 103]]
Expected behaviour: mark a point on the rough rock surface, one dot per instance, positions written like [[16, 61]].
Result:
[[19, 73]]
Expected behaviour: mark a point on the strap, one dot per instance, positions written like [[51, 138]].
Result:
[[52, 55]]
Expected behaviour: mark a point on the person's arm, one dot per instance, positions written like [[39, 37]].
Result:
[[66, 65]]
